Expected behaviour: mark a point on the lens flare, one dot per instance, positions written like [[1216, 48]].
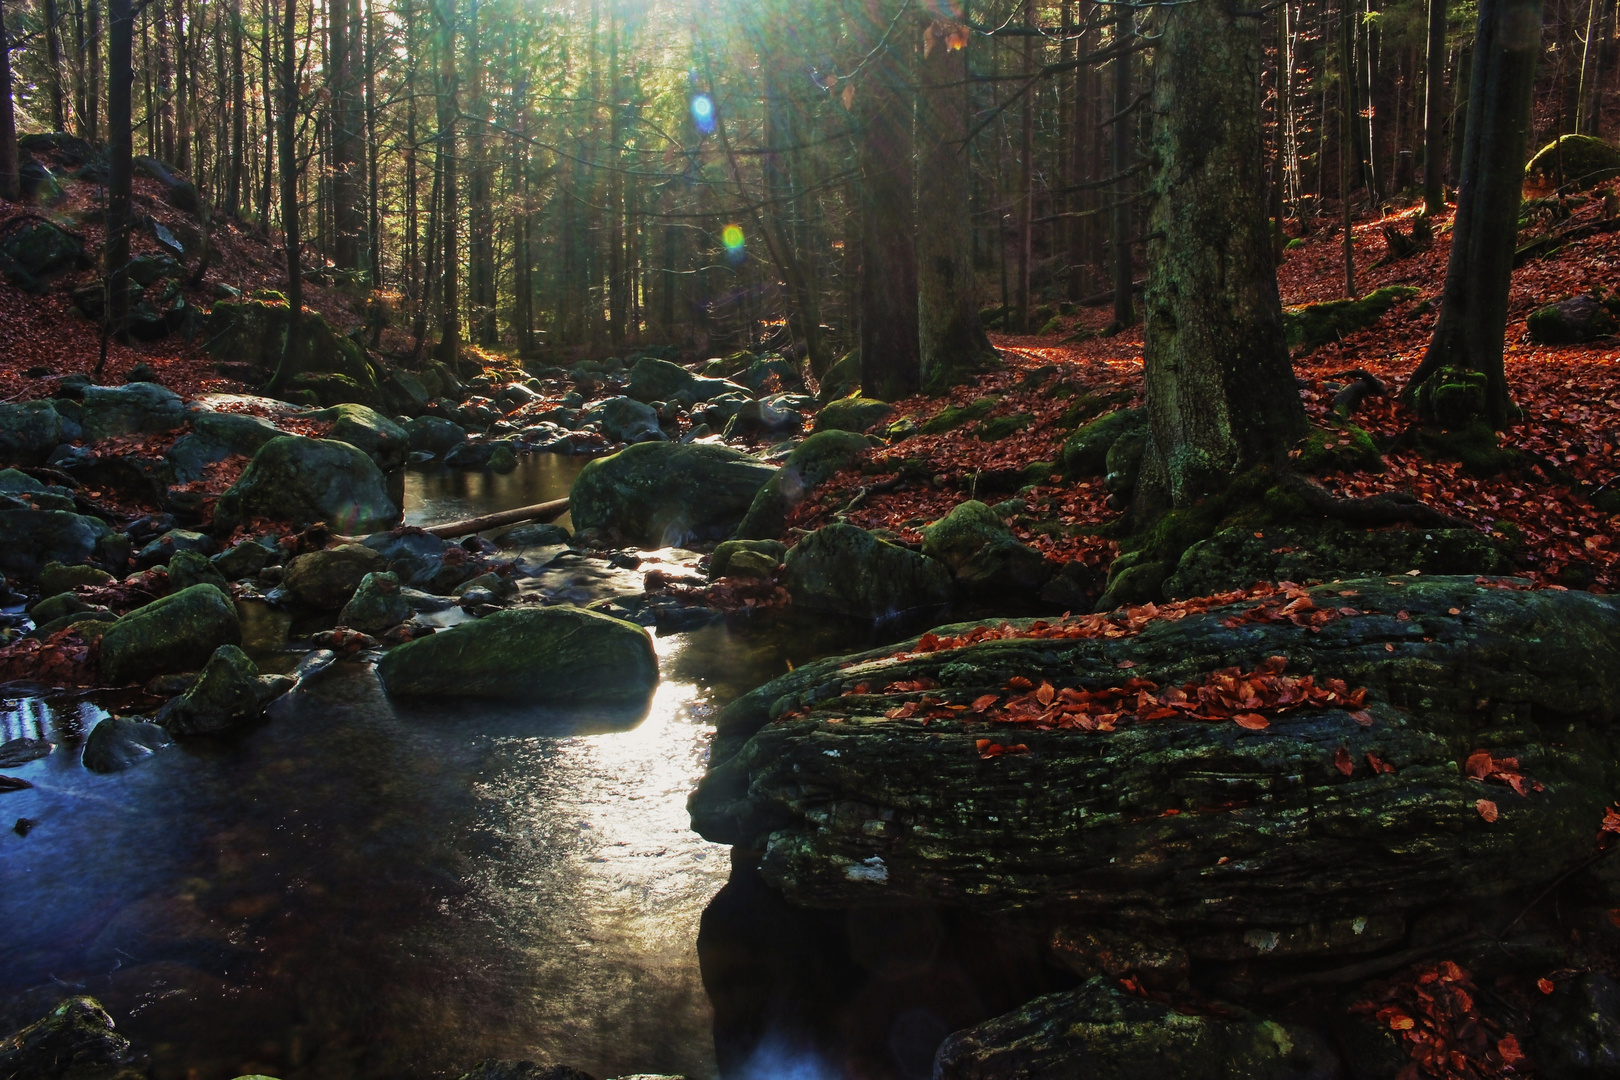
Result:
[[732, 238], [703, 112]]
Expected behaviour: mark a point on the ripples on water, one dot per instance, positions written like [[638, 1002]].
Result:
[[358, 889]]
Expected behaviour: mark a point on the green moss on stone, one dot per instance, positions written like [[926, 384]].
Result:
[[952, 417], [1315, 325]]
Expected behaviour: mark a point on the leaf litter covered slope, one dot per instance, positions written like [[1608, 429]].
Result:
[[1570, 394]]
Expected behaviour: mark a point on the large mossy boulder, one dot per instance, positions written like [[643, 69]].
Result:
[[384, 441], [846, 571], [810, 464], [1316, 826], [34, 252], [138, 407], [74, 1041], [333, 367], [1573, 321], [215, 436], [555, 655], [1086, 451], [652, 379], [33, 538], [1100, 1032], [842, 379], [1236, 558], [1314, 325], [982, 553], [656, 494], [377, 604], [229, 692], [853, 413], [1575, 161], [326, 580], [304, 481], [178, 632], [30, 430], [434, 434], [624, 419]]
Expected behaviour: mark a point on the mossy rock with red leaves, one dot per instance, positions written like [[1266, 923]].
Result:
[[1245, 839]]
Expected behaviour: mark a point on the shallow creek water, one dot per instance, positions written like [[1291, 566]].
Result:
[[359, 888]]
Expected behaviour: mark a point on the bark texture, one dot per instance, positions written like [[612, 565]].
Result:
[[1474, 303], [1220, 390], [952, 343]]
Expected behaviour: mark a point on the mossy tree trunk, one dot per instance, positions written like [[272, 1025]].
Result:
[[888, 280], [1461, 375], [1220, 390], [9, 176], [952, 343], [292, 354]]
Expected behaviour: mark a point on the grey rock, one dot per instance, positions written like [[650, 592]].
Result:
[[117, 743], [657, 494], [327, 579], [178, 632], [130, 409], [33, 538], [230, 692], [377, 604], [304, 481]]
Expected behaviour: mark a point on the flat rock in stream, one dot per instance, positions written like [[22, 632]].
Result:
[[554, 655], [1317, 831]]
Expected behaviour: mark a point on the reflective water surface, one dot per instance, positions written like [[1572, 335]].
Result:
[[439, 494]]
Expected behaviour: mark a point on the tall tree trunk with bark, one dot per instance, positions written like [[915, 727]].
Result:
[[348, 144], [1124, 308], [53, 57], [952, 344], [1462, 375], [890, 360], [9, 178], [92, 89], [1434, 111], [120, 163], [233, 185], [292, 353], [444, 17], [1221, 396]]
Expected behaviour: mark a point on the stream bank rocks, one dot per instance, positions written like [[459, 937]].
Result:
[[659, 494], [847, 571], [555, 655], [74, 1041], [305, 481], [230, 692], [178, 632]]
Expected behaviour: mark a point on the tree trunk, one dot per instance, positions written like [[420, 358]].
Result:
[[449, 349], [1220, 391], [481, 257], [890, 361], [9, 179], [1474, 303], [1124, 309], [1347, 139], [1434, 186], [269, 169], [952, 345], [1026, 177], [348, 144], [120, 162], [292, 351], [53, 57], [92, 91], [233, 185]]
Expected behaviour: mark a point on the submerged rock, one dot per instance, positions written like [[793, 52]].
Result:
[[304, 481], [1099, 1032], [178, 632], [662, 494], [229, 692], [74, 1041], [1328, 826], [553, 655], [117, 743], [847, 571], [812, 463]]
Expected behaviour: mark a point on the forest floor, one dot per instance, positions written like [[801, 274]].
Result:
[[1570, 394]]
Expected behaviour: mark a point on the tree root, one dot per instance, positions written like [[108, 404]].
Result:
[[1394, 508]]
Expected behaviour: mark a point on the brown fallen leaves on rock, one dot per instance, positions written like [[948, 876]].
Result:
[[1434, 1010]]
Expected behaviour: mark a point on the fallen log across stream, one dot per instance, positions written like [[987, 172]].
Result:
[[546, 511]]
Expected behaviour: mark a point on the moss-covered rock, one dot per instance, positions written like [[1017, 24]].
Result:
[[1570, 322], [659, 493], [810, 464], [1201, 828], [434, 434], [1085, 453], [1343, 447], [952, 417], [1577, 161], [1314, 325], [178, 632], [334, 368], [304, 481], [555, 654], [326, 580], [59, 578], [377, 604], [853, 413], [30, 430], [34, 538], [188, 568], [34, 252], [129, 409], [1453, 397], [746, 558], [384, 441], [842, 379], [1002, 427], [846, 571], [1235, 558], [230, 692], [1100, 1032], [74, 1041], [659, 380], [982, 553]]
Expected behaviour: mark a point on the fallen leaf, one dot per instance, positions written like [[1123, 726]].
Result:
[[1342, 760], [1486, 808], [1546, 986], [1362, 717], [1252, 721]]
